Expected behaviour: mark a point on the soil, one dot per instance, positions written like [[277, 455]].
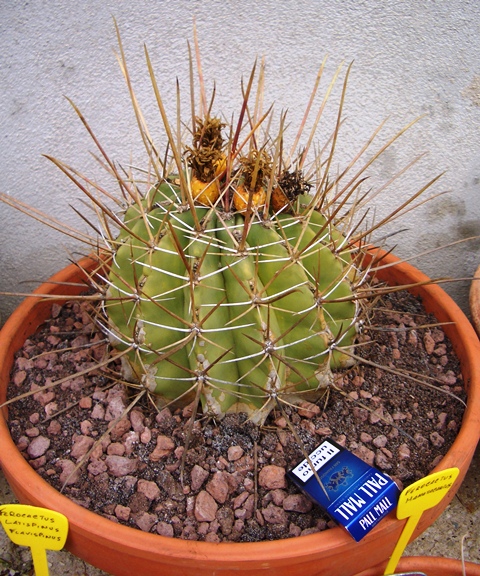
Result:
[[225, 481]]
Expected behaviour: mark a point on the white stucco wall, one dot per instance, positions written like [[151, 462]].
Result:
[[410, 58]]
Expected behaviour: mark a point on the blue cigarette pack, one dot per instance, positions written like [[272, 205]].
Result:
[[352, 492]]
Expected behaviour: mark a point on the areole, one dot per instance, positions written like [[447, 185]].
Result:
[[124, 551]]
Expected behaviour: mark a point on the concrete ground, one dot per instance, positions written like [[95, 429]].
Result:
[[459, 526]]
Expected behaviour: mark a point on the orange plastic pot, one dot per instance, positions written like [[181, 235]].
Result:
[[431, 566], [125, 551], [475, 300]]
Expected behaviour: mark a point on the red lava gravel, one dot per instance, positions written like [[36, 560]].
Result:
[[225, 481]]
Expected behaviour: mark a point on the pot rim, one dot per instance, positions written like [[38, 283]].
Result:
[[441, 566]]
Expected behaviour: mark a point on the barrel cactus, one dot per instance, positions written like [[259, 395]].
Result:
[[230, 285], [235, 280]]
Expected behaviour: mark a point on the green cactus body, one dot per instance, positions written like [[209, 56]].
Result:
[[330, 271], [247, 324], [212, 356]]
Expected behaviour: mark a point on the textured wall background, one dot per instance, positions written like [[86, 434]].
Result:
[[410, 58]]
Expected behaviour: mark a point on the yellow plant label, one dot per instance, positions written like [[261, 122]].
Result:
[[39, 528], [414, 500], [426, 492]]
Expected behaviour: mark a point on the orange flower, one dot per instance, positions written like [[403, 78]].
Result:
[[204, 193], [241, 194], [278, 200]]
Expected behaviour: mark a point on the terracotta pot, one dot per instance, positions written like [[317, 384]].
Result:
[[125, 551], [475, 301], [431, 566]]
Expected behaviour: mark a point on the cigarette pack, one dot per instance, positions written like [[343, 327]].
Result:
[[351, 491]]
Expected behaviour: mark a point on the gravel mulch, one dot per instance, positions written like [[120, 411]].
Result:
[[226, 481]]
